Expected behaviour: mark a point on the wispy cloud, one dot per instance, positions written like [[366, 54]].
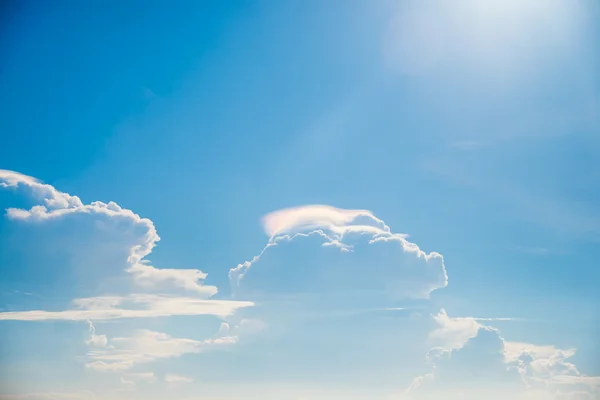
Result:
[[132, 306], [146, 346]]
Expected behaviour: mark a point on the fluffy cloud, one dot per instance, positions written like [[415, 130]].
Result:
[[452, 333], [100, 227], [106, 242], [322, 249], [131, 306], [145, 346], [487, 366]]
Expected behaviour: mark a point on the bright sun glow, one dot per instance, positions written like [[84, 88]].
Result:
[[492, 36]]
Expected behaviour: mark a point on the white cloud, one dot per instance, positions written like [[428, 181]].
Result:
[[95, 340], [188, 279], [312, 217], [130, 236], [53, 199], [328, 250], [107, 242], [452, 333], [132, 306], [487, 366], [146, 346]]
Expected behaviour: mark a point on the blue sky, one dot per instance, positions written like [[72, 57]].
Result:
[[370, 200]]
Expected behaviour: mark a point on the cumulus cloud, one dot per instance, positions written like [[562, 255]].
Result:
[[487, 366], [131, 306], [128, 235], [146, 346], [452, 333], [107, 242], [322, 249], [188, 279], [53, 199], [104, 241]]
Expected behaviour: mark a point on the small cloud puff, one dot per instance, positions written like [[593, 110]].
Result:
[[95, 340], [322, 249]]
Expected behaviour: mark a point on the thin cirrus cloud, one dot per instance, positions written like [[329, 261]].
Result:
[[323, 249], [145, 346], [133, 306]]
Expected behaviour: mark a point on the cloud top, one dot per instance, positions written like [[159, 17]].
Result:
[[311, 217], [107, 242], [100, 222], [323, 249], [485, 365]]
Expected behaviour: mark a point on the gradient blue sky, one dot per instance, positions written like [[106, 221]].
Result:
[[470, 126]]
